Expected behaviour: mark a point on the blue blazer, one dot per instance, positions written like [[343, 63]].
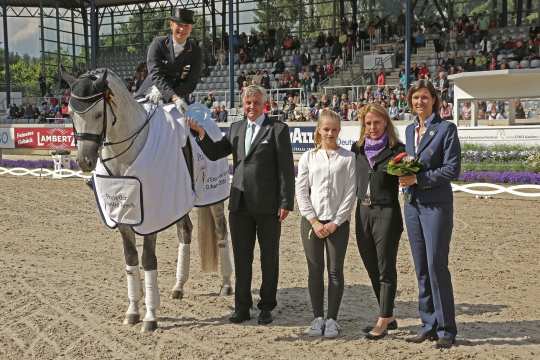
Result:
[[439, 152]]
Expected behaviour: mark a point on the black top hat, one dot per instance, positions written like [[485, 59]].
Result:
[[182, 16]]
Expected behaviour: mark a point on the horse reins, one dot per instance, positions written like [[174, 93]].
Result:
[[100, 138]]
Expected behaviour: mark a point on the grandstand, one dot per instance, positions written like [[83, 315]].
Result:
[[450, 46]]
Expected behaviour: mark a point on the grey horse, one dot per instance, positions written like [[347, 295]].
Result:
[[106, 113]]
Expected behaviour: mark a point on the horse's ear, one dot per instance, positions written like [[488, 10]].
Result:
[[70, 79], [101, 83]]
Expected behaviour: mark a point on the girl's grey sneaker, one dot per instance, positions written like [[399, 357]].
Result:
[[331, 328], [316, 328]]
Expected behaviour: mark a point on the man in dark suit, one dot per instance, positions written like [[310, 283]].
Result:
[[262, 194], [174, 63]]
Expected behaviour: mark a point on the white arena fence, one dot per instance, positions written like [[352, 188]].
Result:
[[528, 191]]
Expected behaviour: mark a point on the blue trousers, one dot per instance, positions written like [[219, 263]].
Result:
[[429, 228]]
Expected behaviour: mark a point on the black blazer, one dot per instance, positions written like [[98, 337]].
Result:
[[170, 74], [265, 175], [383, 187]]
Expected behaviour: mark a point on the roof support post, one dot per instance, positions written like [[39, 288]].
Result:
[[6, 56]]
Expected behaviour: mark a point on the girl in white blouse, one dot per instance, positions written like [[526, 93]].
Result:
[[325, 192]]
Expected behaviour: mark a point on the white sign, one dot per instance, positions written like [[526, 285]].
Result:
[[6, 138], [494, 135]]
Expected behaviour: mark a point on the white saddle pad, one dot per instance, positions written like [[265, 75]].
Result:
[[211, 178], [120, 199], [166, 192]]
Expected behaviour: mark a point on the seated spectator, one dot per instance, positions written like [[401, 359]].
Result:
[[288, 42], [276, 112], [314, 112], [265, 80], [223, 114], [493, 62], [446, 110], [381, 78], [306, 58], [215, 113], [329, 69], [520, 111], [242, 56], [296, 62], [65, 110], [257, 78], [485, 46], [393, 110], [321, 40], [466, 111], [279, 67], [269, 55], [338, 64], [344, 110], [415, 71], [306, 81], [240, 80], [481, 62], [470, 65], [209, 99], [222, 58], [442, 85], [352, 115], [325, 102], [423, 72], [335, 103]]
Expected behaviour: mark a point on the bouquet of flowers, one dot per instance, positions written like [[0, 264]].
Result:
[[402, 164]]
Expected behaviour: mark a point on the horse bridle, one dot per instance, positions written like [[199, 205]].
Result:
[[99, 139]]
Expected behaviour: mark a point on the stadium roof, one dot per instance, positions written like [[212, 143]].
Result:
[[68, 4]]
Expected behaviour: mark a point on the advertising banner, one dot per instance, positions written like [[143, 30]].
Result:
[[44, 138], [6, 138]]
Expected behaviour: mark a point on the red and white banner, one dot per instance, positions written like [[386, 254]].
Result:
[[44, 138]]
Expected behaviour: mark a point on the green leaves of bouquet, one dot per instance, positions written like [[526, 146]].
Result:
[[402, 165]]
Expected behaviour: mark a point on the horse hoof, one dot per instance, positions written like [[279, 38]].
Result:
[[177, 294], [132, 319], [149, 326], [225, 290]]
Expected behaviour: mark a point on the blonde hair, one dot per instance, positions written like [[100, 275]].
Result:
[[324, 114], [253, 90], [376, 109]]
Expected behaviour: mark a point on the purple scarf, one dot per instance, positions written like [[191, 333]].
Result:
[[372, 148]]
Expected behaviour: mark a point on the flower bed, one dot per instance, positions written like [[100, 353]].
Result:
[[501, 177], [34, 164]]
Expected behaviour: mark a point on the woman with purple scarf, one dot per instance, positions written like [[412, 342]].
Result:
[[378, 214]]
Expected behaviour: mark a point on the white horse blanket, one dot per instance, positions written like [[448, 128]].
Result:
[[156, 190]]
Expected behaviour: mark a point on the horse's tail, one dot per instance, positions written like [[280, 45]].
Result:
[[208, 242]]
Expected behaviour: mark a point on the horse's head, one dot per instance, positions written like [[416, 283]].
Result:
[[88, 105]]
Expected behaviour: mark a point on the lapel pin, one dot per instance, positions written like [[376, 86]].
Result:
[[431, 133]]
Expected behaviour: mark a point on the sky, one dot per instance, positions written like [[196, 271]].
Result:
[[23, 36]]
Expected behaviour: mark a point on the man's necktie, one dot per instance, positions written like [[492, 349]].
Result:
[[249, 136]]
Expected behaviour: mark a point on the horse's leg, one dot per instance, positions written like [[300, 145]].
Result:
[[184, 229], [225, 265], [151, 299], [132, 275]]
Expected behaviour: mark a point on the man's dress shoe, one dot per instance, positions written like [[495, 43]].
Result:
[[419, 338], [445, 343], [239, 317], [265, 317]]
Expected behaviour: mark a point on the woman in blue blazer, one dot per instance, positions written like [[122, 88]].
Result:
[[429, 212]]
